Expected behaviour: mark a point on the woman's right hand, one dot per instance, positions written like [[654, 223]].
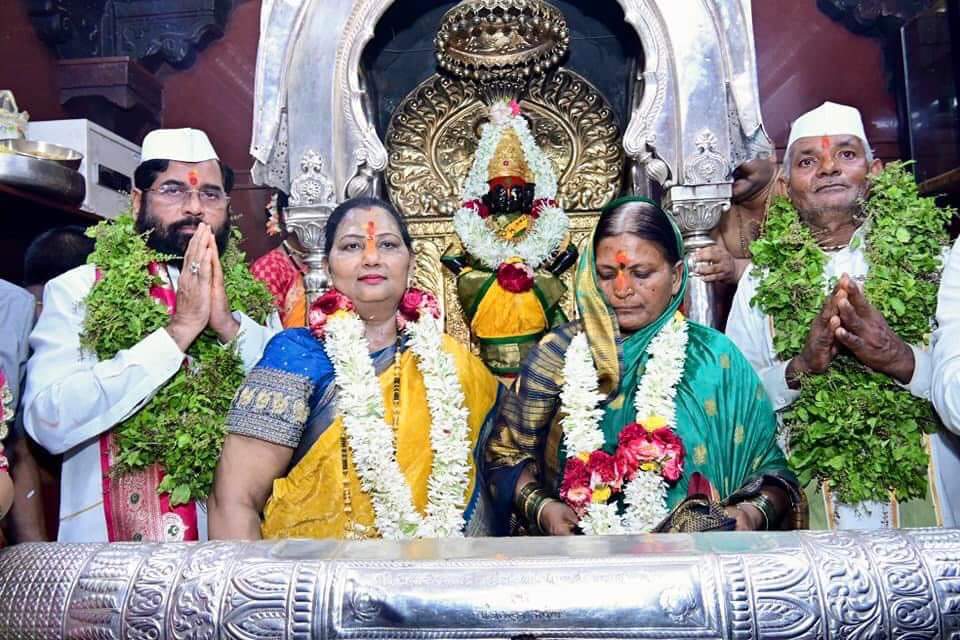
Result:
[[557, 519]]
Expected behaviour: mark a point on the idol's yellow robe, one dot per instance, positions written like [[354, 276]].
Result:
[[289, 399]]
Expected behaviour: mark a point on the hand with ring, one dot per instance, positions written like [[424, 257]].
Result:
[[194, 293], [716, 264]]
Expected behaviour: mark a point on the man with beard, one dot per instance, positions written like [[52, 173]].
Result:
[[827, 167], [74, 400]]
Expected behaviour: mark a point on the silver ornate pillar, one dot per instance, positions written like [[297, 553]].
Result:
[[697, 210], [817, 586], [312, 200]]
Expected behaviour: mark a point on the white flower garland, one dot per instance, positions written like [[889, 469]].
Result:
[[371, 440], [645, 496], [547, 231]]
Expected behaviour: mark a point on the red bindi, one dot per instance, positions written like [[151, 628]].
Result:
[[825, 143], [193, 178]]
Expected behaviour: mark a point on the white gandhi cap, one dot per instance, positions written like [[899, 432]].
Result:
[[182, 145], [829, 119]]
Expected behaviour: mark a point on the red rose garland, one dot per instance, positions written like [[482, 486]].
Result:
[[652, 447], [649, 454]]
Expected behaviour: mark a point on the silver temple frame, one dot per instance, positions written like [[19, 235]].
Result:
[[695, 117]]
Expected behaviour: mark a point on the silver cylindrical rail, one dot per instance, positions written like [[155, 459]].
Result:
[[891, 584]]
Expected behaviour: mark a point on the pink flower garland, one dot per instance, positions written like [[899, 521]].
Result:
[[653, 447], [414, 302]]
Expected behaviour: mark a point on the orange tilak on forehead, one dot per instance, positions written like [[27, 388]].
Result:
[[825, 143], [371, 234], [193, 178], [621, 281]]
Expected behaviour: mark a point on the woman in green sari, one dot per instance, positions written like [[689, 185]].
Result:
[[630, 283]]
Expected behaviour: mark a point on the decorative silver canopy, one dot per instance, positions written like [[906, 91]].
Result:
[[695, 112], [737, 586]]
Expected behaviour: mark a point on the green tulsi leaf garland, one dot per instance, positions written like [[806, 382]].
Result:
[[182, 427], [852, 426]]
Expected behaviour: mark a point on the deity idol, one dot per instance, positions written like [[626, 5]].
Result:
[[514, 243]]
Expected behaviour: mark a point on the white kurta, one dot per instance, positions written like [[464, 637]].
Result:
[[752, 331], [72, 398], [945, 388]]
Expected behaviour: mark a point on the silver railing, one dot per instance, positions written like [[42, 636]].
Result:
[[891, 584]]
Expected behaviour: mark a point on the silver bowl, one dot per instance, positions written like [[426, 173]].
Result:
[[43, 151], [42, 176]]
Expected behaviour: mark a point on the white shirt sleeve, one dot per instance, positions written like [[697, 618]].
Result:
[[945, 345], [919, 384], [253, 338], [72, 397], [749, 328]]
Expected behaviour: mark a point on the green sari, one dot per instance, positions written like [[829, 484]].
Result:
[[723, 416]]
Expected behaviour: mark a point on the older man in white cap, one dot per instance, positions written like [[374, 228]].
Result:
[[827, 168], [74, 400]]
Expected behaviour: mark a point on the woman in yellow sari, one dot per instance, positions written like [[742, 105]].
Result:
[[368, 422]]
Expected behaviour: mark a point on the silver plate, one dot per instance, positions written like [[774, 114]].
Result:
[[42, 176], [43, 151]]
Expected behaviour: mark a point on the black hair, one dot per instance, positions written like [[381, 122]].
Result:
[[643, 219], [54, 252], [363, 202], [146, 174]]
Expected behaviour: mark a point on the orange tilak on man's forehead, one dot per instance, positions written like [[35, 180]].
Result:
[[193, 177], [825, 143]]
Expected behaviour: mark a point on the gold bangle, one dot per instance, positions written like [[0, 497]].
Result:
[[533, 505], [540, 507], [524, 493]]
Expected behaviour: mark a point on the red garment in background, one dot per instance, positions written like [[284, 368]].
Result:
[[284, 278]]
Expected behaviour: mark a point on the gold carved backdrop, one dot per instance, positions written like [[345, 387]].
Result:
[[434, 132]]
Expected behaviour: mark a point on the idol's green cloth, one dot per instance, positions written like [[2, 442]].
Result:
[[723, 416]]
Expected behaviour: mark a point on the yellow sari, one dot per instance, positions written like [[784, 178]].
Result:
[[321, 495]]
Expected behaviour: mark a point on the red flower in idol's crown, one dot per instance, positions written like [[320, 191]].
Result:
[[325, 306], [515, 277], [414, 302]]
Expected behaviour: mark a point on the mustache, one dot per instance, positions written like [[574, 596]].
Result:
[[183, 224], [832, 183]]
